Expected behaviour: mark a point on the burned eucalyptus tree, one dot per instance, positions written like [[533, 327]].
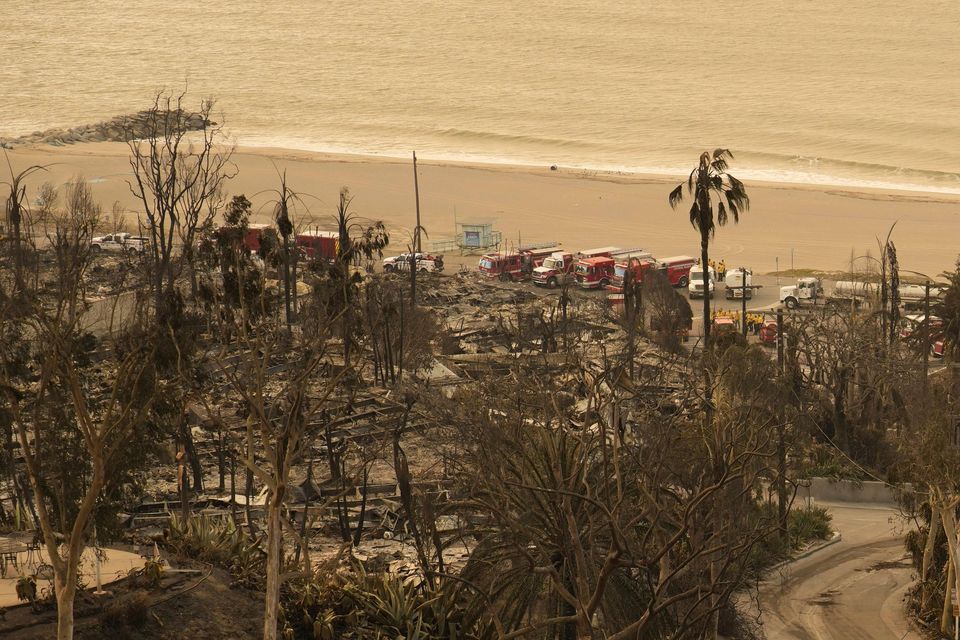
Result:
[[75, 415], [284, 381], [179, 160]]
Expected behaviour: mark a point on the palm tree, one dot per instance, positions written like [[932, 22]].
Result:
[[710, 181]]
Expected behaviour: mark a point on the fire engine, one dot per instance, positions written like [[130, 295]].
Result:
[[598, 272], [559, 265], [319, 244], [516, 265], [677, 269], [636, 267]]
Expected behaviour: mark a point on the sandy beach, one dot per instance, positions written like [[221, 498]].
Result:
[[804, 226]]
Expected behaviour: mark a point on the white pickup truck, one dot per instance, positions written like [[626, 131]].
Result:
[[426, 263], [119, 242]]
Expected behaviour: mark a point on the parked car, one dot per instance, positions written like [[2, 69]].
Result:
[[390, 263], [768, 332], [916, 323]]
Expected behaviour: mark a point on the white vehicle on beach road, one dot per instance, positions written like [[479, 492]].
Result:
[[426, 263], [695, 288], [806, 291], [390, 263], [738, 285], [118, 242]]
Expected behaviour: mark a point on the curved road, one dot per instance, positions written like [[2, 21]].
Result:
[[851, 590]]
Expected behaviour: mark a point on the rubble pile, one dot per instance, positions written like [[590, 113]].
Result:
[[487, 328], [491, 320]]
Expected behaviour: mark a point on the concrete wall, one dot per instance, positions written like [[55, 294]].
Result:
[[825, 489]]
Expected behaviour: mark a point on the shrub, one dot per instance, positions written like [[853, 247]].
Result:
[[377, 605], [807, 525]]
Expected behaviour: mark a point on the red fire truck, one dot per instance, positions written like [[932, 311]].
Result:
[[254, 232], [598, 272], [637, 267], [559, 265], [319, 244], [516, 265], [677, 269]]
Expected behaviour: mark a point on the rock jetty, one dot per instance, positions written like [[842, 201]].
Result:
[[118, 129]]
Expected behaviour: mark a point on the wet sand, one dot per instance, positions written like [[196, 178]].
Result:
[[803, 226]]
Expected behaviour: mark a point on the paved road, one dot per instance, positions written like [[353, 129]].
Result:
[[852, 590]]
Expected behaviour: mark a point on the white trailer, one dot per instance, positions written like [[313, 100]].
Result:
[[854, 291], [739, 284], [915, 295], [810, 291]]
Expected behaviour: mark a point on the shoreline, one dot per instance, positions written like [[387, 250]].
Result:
[[865, 191], [821, 225], [756, 175], [776, 173]]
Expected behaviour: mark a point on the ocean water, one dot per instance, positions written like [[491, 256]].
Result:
[[859, 92]]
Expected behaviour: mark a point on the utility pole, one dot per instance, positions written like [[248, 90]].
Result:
[[416, 191], [780, 339], [781, 447], [743, 301], [416, 237], [926, 334]]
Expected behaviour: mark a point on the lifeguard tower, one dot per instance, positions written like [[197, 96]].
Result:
[[472, 236]]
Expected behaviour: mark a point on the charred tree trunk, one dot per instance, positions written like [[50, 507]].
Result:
[[186, 438], [221, 462], [363, 507]]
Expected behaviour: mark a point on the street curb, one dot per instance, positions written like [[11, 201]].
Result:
[[837, 537]]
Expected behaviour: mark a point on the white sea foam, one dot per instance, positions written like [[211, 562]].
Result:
[[780, 176]]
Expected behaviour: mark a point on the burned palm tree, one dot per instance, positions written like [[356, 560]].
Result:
[[283, 207], [357, 240], [16, 209]]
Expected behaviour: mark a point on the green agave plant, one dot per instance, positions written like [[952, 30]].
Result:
[[219, 542], [354, 604]]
